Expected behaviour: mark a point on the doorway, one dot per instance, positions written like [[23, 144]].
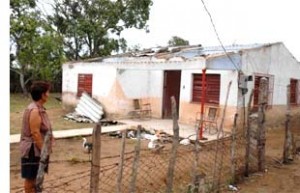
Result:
[[171, 87]]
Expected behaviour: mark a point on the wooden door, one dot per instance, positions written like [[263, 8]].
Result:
[[171, 86]]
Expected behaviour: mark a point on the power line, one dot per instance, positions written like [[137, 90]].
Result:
[[218, 37]]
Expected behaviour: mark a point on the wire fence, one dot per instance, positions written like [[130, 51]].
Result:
[[220, 163], [152, 170], [153, 167]]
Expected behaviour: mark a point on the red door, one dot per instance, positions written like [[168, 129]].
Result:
[[171, 88], [293, 91]]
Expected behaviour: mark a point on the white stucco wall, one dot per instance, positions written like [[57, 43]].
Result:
[[140, 83], [274, 60], [103, 77]]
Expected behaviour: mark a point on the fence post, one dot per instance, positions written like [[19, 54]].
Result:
[[262, 102], [136, 161], [172, 160], [196, 176], [247, 155], [219, 160], [43, 162], [288, 135], [233, 150], [121, 163], [96, 153]]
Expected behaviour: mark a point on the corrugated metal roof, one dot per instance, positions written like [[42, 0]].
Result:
[[183, 52]]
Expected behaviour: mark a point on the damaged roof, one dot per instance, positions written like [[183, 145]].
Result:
[[178, 53]]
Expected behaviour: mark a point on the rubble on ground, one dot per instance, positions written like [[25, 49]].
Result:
[[157, 138], [74, 116]]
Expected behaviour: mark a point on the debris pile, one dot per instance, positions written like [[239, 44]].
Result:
[[77, 118], [89, 107], [83, 119], [157, 137], [145, 134], [87, 110]]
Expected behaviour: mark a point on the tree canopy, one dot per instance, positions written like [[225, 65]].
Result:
[[91, 28], [35, 48], [177, 41], [76, 29]]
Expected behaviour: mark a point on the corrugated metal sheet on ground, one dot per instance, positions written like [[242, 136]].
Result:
[[88, 107]]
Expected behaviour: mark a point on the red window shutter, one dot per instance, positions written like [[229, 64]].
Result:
[[298, 92], [85, 84], [212, 88], [293, 91]]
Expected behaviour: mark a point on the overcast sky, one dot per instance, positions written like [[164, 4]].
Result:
[[237, 21]]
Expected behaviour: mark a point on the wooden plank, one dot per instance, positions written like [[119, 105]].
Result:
[[43, 162]]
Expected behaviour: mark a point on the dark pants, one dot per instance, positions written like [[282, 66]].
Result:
[[30, 165]]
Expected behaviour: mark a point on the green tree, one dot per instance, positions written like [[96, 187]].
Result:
[[36, 49], [91, 28], [177, 41]]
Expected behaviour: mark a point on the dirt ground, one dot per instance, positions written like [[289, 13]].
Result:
[[70, 167], [55, 114], [278, 177], [67, 160]]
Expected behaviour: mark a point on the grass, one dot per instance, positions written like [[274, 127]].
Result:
[[18, 103]]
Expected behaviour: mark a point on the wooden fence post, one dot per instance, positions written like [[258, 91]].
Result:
[[172, 160], [247, 155], [233, 150], [136, 161], [288, 135], [262, 102], [219, 158], [43, 162], [96, 153], [196, 175], [121, 163]]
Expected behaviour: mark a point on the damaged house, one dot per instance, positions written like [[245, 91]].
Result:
[[153, 76]]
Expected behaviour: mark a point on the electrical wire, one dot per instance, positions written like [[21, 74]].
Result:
[[218, 37]]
